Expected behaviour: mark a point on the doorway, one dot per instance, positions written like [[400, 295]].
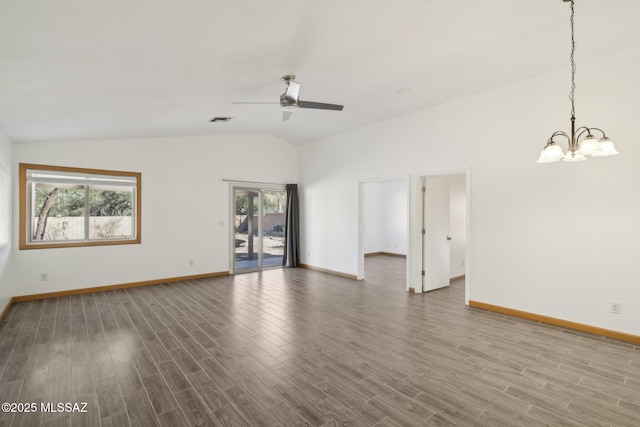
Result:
[[258, 228], [444, 230], [383, 232]]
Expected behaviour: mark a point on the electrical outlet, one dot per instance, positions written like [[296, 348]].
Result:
[[190, 263], [43, 277], [463, 263], [616, 308]]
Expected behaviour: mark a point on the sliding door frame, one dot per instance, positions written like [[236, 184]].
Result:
[[255, 187]]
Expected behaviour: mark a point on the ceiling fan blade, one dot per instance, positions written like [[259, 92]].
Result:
[[320, 105], [293, 89], [255, 103], [286, 115]]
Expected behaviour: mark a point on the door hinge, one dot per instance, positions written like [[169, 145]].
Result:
[[423, 272], [424, 189], [424, 231]]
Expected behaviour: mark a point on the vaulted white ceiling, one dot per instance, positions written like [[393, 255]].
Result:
[[74, 69]]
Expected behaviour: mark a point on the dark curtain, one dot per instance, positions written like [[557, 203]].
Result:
[[292, 228]]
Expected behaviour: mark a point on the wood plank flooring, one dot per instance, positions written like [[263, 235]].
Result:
[[290, 347]]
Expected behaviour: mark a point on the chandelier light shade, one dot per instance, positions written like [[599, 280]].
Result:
[[582, 142]]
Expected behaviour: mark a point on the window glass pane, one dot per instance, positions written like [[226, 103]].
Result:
[[247, 243], [58, 213], [72, 207], [273, 221], [110, 213]]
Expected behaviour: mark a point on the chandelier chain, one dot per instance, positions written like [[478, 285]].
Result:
[[573, 67]]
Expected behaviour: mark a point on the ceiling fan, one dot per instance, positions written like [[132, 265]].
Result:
[[289, 100]]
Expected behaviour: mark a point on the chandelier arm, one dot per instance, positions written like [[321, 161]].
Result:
[[580, 131], [559, 133], [599, 130]]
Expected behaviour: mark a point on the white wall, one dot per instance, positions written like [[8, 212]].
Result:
[[559, 239], [457, 223], [6, 279], [394, 217], [385, 217], [372, 217], [185, 206]]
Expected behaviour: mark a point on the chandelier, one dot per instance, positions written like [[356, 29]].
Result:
[[582, 142]]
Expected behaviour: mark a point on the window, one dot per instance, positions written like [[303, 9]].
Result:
[[68, 207]]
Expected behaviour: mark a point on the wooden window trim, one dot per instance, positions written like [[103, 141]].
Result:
[[22, 179]]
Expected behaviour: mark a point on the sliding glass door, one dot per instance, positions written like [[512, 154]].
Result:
[[259, 221]]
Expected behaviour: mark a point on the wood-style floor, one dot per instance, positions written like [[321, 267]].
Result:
[[298, 347]]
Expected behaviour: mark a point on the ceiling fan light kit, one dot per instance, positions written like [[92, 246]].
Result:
[[581, 141]]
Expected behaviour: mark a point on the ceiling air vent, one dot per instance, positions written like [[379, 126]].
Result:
[[220, 119]]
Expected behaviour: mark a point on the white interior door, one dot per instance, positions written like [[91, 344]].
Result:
[[435, 237]]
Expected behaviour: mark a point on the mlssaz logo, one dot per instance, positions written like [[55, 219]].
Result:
[[63, 407]]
